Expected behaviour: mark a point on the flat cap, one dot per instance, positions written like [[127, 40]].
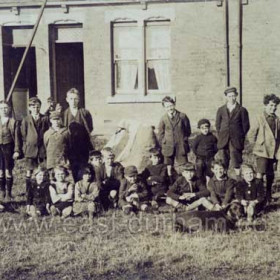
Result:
[[130, 170]]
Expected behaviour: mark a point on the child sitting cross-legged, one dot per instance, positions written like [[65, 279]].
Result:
[[156, 177], [86, 194], [250, 192], [61, 193], [221, 187], [133, 192], [188, 193], [38, 198], [108, 177]]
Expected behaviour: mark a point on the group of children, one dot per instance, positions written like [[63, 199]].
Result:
[[62, 142]]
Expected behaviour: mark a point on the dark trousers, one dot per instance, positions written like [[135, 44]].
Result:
[[230, 153], [203, 167]]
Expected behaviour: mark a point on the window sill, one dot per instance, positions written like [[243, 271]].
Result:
[[151, 98]]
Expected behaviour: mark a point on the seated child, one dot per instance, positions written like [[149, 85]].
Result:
[[86, 194], [56, 141], [221, 187], [205, 148], [250, 192], [61, 193], [155, 175], [108, 177], [133, 193], [38, 198], [188, 192]]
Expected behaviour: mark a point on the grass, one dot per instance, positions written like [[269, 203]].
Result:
[[142, 247]]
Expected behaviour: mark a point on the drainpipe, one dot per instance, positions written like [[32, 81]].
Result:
[[227, 58], [26, 51], [240, 46]]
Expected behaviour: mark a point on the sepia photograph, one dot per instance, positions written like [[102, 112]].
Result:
[[139, 139]]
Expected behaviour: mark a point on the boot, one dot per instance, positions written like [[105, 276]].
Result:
[[9, 185], [2, 189]]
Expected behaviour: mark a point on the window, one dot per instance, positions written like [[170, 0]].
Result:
[[141, 60]]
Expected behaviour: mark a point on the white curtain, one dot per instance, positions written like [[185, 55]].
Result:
[[162, 74], [127, 74]]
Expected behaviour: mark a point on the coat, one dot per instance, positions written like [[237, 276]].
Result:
[[174, 135], [253, 192], [181, 186], [33, 143], [266, 143], [232, 127], [85, 116], [57, 146], [14, 128]]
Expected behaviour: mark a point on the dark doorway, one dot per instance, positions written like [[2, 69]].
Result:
[[69, 71], [28, 75], [26, 85]]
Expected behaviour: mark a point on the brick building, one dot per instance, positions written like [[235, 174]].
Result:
[[125, 55]]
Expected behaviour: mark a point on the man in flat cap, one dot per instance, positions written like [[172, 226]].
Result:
[[232, 124]]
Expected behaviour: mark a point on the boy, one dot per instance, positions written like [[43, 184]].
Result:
[[79, 122], [266, 137], [108, 177], [95, 158], [56, 141], [51, 106], [9, 150], [133, 193], [250, 192], [155, 175], [232, 124], [174, 131], [205, 148], [188, 192], [221, 187], [33, 128]]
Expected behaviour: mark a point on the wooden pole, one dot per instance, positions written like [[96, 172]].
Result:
[[26, 51]]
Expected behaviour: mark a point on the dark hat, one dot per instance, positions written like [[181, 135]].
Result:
[[203, 121], [50, 99], [187, 167], [130, 171], [55, 115], [34, 100], [94, 153], [230, 89]]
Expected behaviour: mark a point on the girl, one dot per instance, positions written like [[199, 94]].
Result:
[[61, 193], [250, 192], [86, 194], [38, 202]]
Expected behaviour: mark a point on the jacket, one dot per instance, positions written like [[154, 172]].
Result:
[[174, 134], [266, 143], [33, 143], [182, 186], [253, 192], [232, 126]]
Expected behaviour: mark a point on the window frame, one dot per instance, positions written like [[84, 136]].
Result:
[[142, 94]]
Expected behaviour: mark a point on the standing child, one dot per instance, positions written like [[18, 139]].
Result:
[[86, 194], [56, 141], [188, 192], [250, 192], [174, 131], [108, 177], [38, 199], [266, 137], [221, 187], [33, 128], [61, 193], [133, 193], [205, 148], [9, 150], [79, 122], [156, 177], [232, 124]]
